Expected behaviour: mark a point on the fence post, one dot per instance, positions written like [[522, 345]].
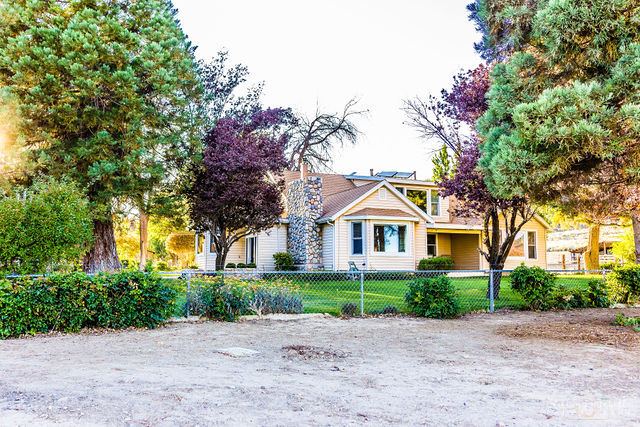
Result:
[[362, 293], [188, 293], [491, 290]]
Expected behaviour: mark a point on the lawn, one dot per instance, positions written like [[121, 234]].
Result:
[[328, 296], [327, 293]]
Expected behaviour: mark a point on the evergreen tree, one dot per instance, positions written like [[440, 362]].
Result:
[[102, 87], [442, 165]]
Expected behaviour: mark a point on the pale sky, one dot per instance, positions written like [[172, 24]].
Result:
[[326, 52]]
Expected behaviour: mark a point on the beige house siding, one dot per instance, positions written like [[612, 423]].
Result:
[[207, 260], [443, 244], [416, 237], [541, 248], [269, 242]]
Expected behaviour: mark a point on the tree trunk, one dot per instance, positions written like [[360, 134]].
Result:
[[592, 255], [497, 279], [144, 237], [635, 222], [221, 258], [103, 255]]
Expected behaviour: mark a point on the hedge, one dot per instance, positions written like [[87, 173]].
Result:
[[69, 302]]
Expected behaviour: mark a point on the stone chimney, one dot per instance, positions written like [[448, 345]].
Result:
[[304, 207]]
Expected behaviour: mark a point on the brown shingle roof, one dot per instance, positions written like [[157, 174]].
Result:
[[336, 202], [382, 212], [331, 183]]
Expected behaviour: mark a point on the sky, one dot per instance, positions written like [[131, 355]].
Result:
[[320, 54]]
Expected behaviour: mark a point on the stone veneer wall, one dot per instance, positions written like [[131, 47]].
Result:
[[304, 207]]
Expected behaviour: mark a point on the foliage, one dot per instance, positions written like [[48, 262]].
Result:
[[283, 261], [182, 245], [241, 265], [103, 89], [624, 283], [227, 297], [625, 248], [563, 116], [442, 165], [69, 302], [433, 297], [251, 265], [230, 265], [564, 298], [633, 322], [230, 194], [597, 294], [349, 309], [435, 263], [534, 285], [47, 228], [163, 266]]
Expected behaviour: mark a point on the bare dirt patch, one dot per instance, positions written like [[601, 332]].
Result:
[[323, 371], [580, 326]]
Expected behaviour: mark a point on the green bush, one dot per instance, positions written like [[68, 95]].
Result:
[[633, 322], [230, 265], [608, 265], [567, 299], [251, 265], [163, 266], [597, 294], [534, 285], [49, 229], [349, 309], [241, 265], [624, 283], [283, 261], [225, 298], [433, 297], [69, 302], [435, 263]]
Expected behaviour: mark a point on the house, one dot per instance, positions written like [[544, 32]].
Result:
[[386, 221]]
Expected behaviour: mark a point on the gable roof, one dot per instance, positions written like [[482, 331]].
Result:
[[381, 213], [337, 204]]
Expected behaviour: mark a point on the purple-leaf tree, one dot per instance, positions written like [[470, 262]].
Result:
[[232, 193], [460, 108]]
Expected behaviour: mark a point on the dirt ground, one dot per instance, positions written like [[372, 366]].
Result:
[[516, 368]]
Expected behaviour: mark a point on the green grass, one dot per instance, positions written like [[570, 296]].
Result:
[[329, 296]]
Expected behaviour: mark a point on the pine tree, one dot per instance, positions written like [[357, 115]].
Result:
[[102, 88], [442, 165]]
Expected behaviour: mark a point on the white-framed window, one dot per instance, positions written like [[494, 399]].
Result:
[[390, 238], [212, 247], [251, 248], [357, 238], [434, 202], [432, 247], [382, 194], [200, 243], [532, 245]]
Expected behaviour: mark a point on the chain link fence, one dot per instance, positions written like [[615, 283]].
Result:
[[368, 292]]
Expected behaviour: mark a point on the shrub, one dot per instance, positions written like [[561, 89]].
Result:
[[241, 265], [390, 309], [567, 299], [283, 261], [251, 265], [534, 285], [225, 298], [69, 302], [624, 283], [433, 297], [608, 265], [597, 294], [435, 263], [163, 266], [349, 309], [182, 245], [49, 229], [230, 265]]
